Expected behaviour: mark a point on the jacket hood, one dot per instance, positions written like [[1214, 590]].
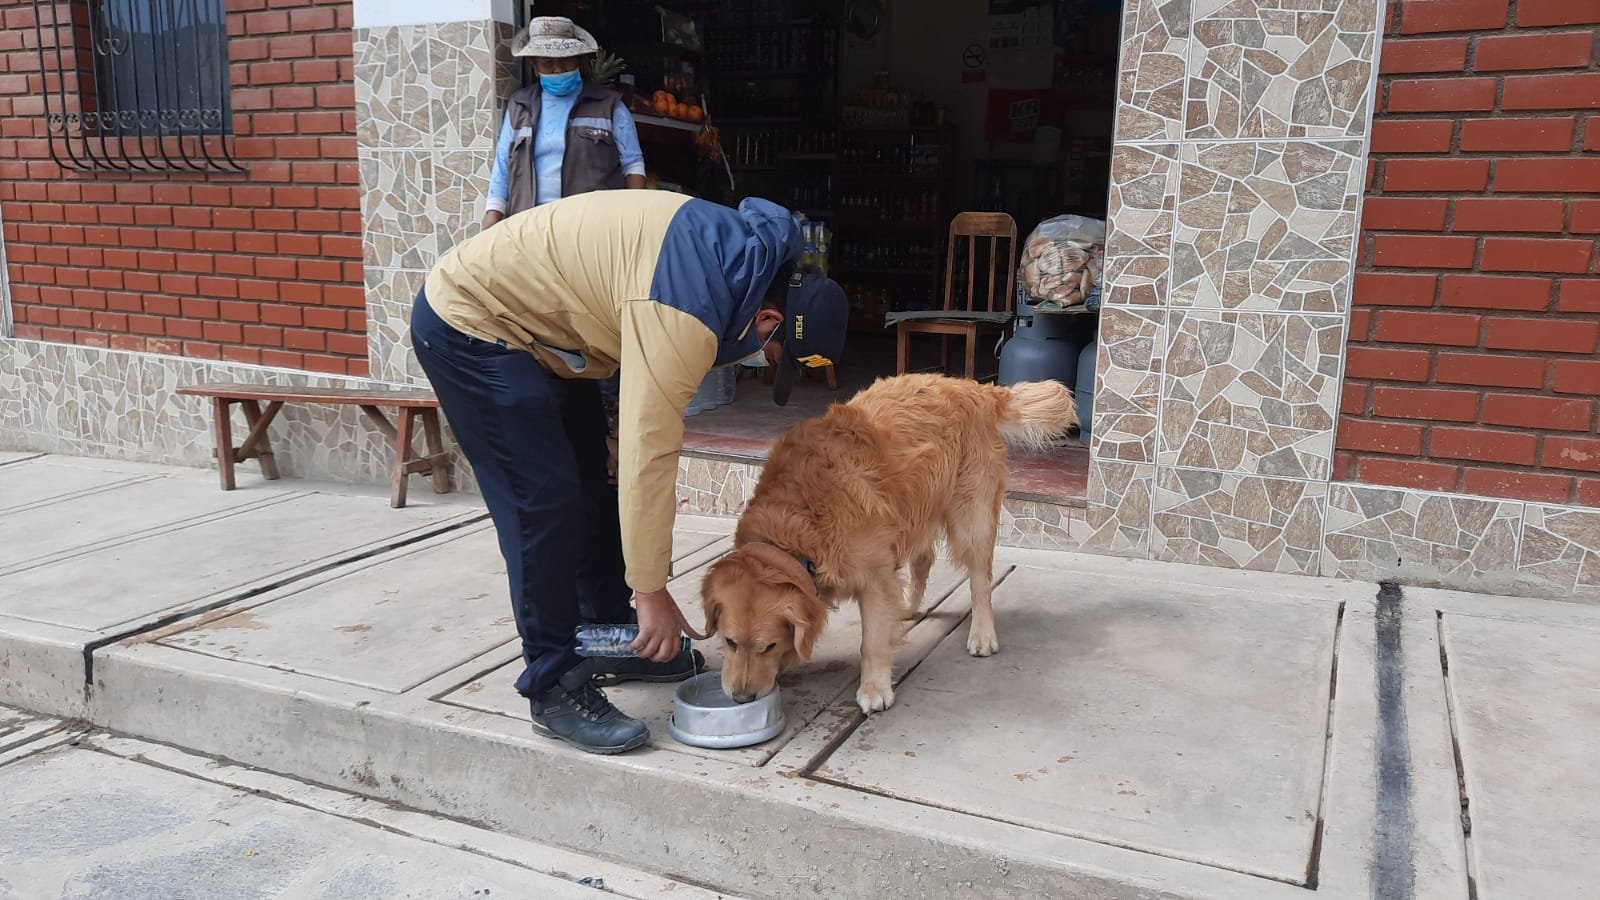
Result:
[[774, 240], [717, 264]]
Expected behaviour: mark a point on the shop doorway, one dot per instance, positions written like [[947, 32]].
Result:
[[879, 121]]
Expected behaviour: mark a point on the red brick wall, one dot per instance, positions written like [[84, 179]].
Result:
[[1472, 362], [258, 268]]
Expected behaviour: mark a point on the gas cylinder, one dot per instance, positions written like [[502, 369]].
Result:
[[1041, 347]]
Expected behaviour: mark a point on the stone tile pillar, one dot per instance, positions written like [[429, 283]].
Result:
[[431, 83], [1237, 175]]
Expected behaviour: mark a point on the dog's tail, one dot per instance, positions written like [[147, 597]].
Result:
[[1036, 413]]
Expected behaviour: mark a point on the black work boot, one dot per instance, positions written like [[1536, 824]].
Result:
[[608, 671], [577, 711]]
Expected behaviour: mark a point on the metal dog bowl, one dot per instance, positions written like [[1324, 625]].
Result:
[[704, 716]]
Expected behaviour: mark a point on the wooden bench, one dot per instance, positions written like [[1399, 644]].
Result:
[[412, 405]]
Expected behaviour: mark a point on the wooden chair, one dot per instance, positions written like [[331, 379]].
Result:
[[975, 314]]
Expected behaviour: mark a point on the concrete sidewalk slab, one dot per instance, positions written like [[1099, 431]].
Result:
[[51, 530], [808, 689], [99, 563], [1527, 712], [7, 457], [449, 595], [112, 817], [29, 478], [1184, 727], [261, 544], [390, 622]]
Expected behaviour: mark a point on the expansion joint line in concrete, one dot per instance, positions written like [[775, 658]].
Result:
[[837, 741], [176, 617], [1393, 874], [1315, 863], [1455, 748]]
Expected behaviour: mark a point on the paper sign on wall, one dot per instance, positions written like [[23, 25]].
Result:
[[1020, 24]]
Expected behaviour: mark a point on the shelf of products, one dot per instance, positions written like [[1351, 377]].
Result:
[[893, 199]]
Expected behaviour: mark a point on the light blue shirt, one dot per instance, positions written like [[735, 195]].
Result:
[[550, 148]]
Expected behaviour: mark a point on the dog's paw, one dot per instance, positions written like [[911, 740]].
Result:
[[875, 699], [985, 643]]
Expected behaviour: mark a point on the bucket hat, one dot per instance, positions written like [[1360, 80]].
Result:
[[553, 37]]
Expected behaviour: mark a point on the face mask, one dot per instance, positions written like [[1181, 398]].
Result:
[[758, 359], [563, 84]]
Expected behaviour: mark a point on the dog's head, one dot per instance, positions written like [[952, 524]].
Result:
[[769, 617]]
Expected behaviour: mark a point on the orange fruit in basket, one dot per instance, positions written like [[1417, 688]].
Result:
[[696, 114]]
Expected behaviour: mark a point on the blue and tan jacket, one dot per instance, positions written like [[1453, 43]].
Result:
[[656, 285]]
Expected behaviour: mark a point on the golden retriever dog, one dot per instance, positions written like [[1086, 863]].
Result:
[[849, 499]]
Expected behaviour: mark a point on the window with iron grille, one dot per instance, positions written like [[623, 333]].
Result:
[[136, 85]]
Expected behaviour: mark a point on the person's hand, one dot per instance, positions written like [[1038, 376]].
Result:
[[661, 625], [611, 462]]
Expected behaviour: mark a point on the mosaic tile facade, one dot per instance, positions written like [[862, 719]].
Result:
[[1143, 203], [1559, 555], [1238, 521], [428, 102], [1426, 539], [1238, 168], [715, 487], [1154, 70], [1250, 392], [89, 401], [1464, 543], [1267, 225], [1127, 393], [1118, 514], [1280, 68]]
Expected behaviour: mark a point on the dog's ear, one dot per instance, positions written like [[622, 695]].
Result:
[[806, 617], [772, 574], [708, 600]]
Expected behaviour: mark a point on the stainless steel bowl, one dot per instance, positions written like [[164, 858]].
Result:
[[704, 716]]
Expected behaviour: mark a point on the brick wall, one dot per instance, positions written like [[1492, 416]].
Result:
[[1472, 361], [259, 268]]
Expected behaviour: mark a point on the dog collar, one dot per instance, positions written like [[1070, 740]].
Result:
[[784, 561]]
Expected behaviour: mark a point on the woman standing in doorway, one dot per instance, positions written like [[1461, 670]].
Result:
[[560, 136]]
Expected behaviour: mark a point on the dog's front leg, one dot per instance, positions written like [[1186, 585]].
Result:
[[880, 624]]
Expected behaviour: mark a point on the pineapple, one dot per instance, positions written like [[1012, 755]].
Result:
[[605, 67]]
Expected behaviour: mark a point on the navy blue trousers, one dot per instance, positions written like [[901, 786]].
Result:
[[537, 446]]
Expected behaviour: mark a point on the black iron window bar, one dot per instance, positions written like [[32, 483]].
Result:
[[136, 85]]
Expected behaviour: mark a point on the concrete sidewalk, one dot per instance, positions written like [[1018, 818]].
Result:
[[93, 815], [1147, 730]]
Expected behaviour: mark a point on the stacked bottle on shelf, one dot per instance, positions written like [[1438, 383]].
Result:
[[767, 146], [880, 206], [903, 253], [818, 239], [798, 48], [811, 192], [910, 158]]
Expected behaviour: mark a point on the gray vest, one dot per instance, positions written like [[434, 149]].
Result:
[[591, 161]]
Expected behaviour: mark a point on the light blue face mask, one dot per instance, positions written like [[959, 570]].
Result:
[[758, 359], [563, 84]]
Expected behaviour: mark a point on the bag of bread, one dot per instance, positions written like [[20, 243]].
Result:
[[1062, 261]]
